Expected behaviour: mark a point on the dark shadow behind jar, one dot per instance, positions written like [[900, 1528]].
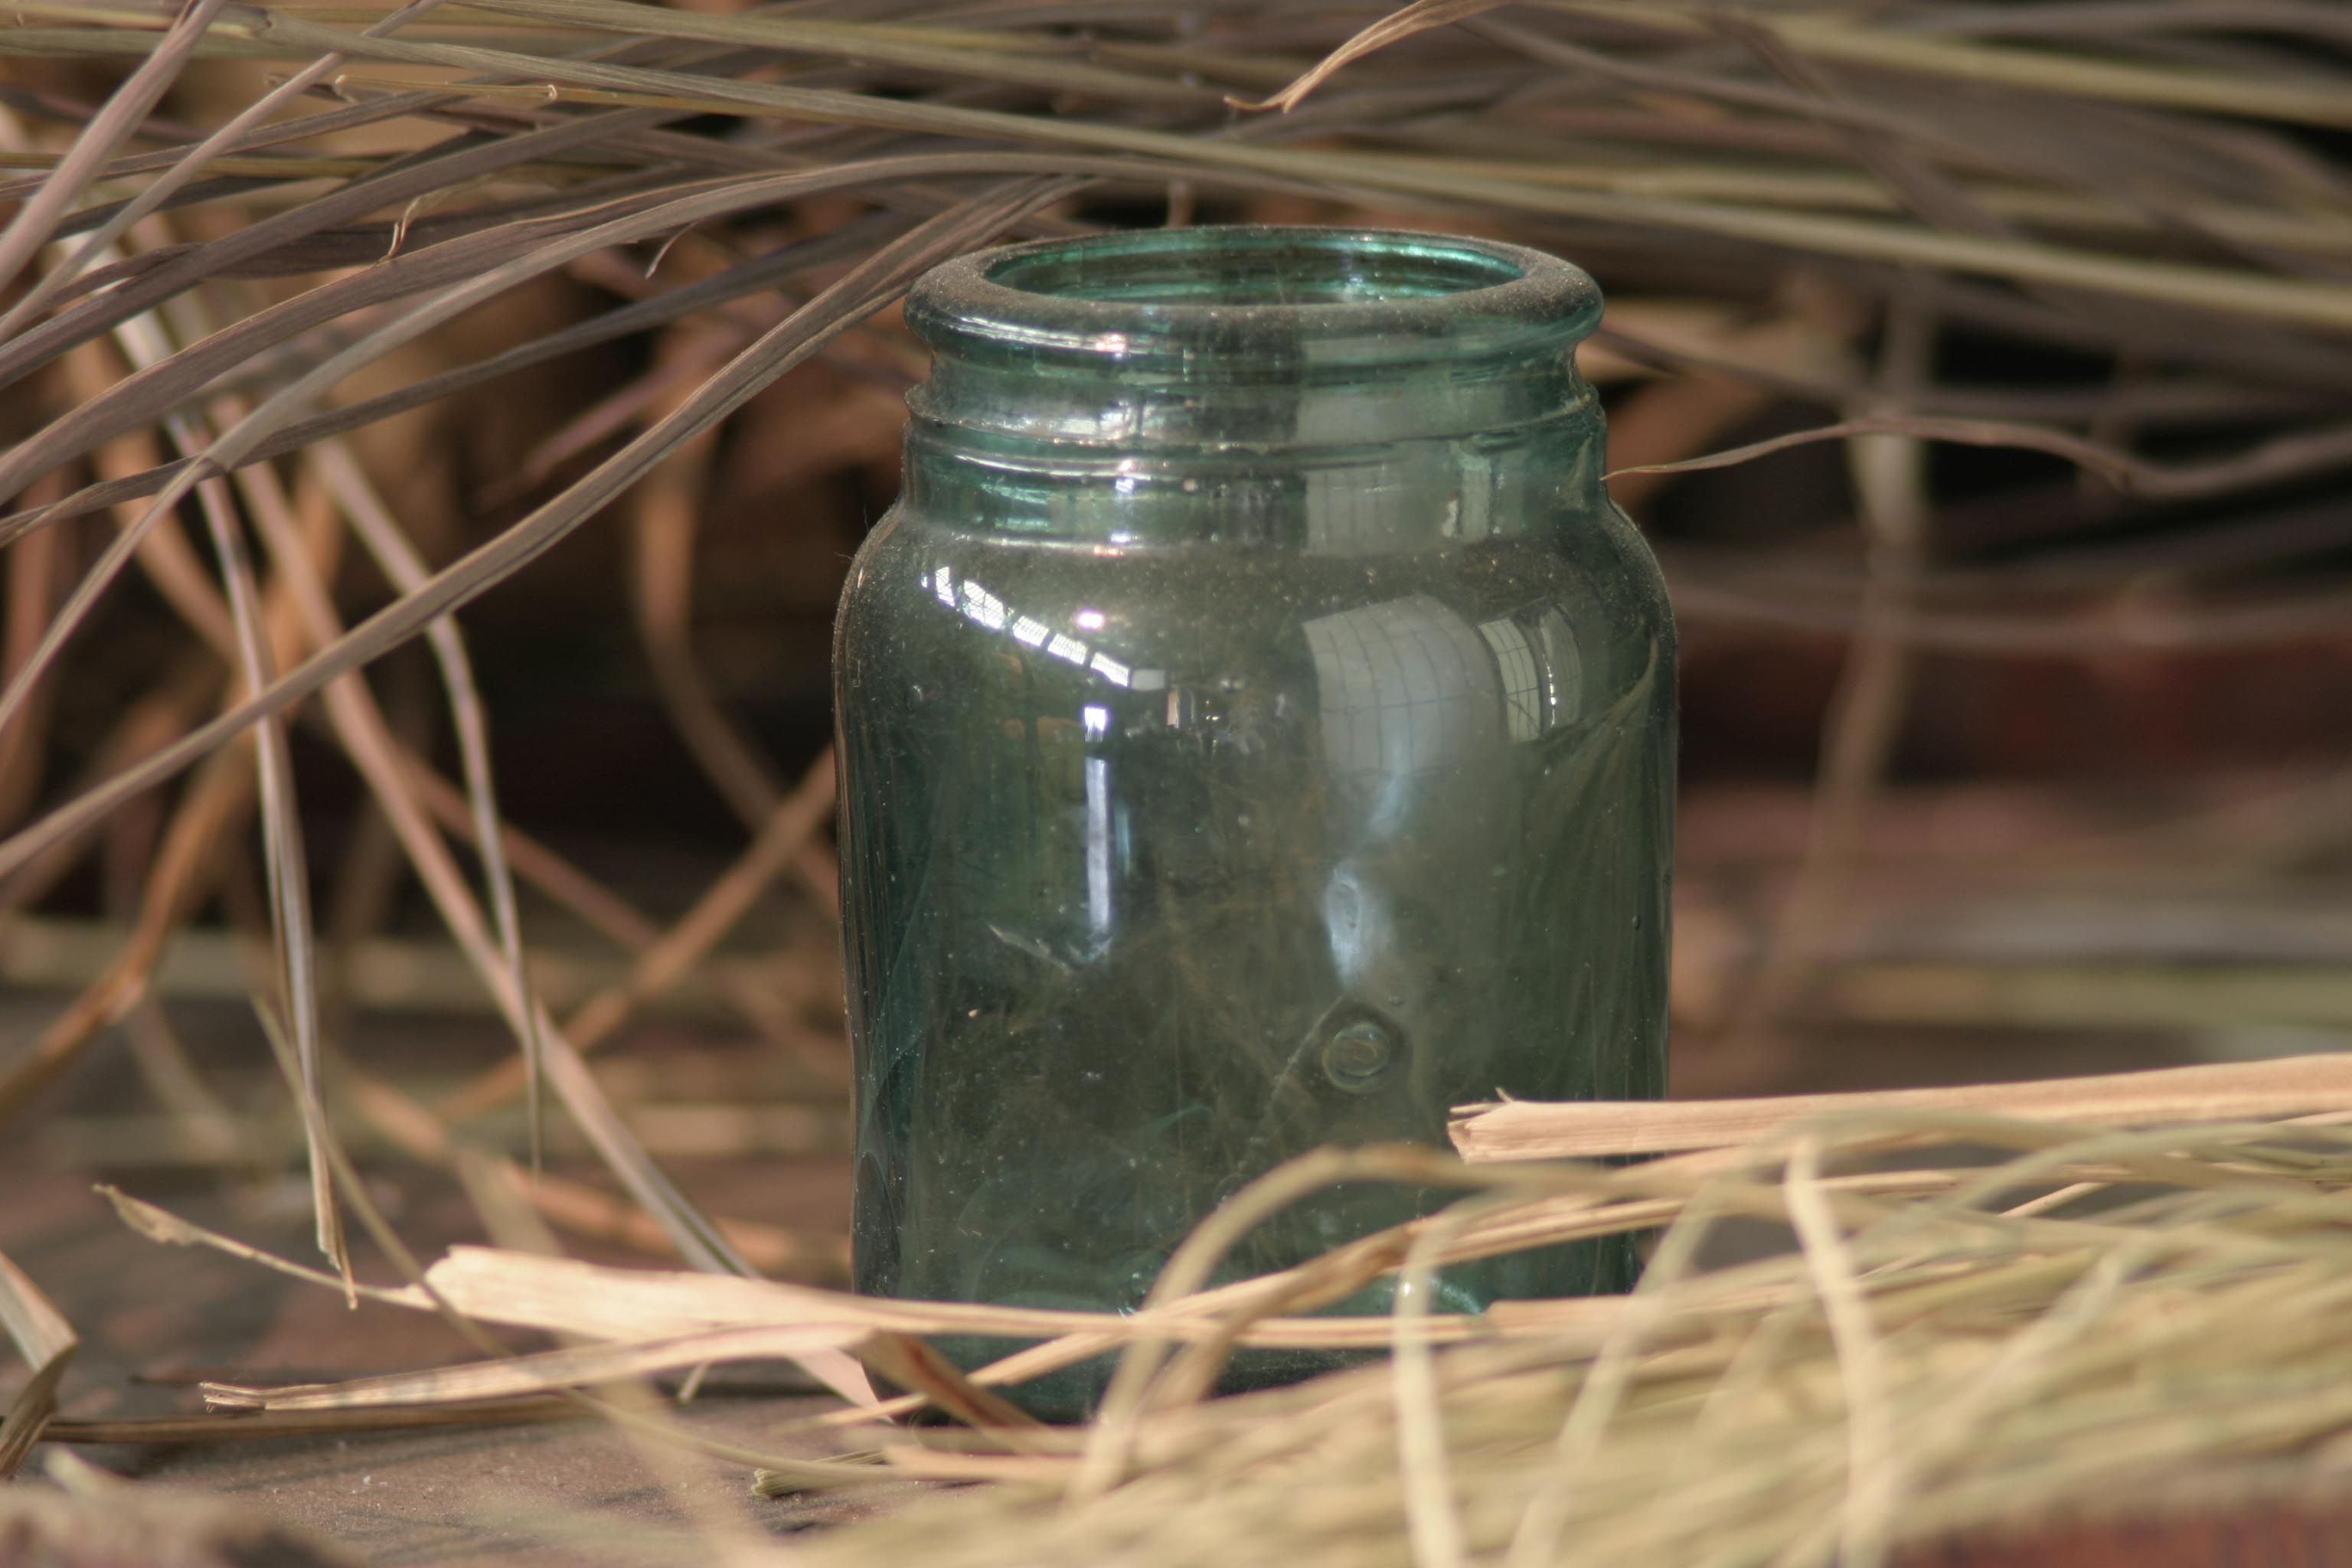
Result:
[[1256, 732]]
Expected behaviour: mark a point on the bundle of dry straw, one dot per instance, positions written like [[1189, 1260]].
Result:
[[220, 312], [2089, 1324], [1982, 1316]]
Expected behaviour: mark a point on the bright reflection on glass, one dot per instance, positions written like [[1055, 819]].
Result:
[[1097, 721], [1524, 703], [984, 606], [1097, 839]]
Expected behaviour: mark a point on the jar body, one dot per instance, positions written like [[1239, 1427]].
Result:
[[1295, 817]]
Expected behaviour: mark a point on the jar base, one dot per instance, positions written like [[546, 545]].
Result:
[[1072, 1396]]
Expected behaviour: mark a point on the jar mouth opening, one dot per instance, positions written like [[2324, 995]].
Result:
[[1205, 298], [1255, 267]]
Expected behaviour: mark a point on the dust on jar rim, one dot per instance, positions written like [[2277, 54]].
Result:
[[1217, 301]]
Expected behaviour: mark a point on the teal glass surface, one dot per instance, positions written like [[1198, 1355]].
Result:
[[1256, 732]]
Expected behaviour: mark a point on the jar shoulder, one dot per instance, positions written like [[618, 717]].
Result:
[[1594, 569]]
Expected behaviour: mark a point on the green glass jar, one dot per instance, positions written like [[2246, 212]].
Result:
[[1256, 732]]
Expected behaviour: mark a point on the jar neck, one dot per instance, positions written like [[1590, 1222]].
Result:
[[1310, 389]]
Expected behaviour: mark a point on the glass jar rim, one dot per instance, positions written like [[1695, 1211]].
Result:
[[1200, 297]]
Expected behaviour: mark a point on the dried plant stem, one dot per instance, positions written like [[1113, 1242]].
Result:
[[47, 1342], [667, 518], [32, 224], [221, 795], [399, 561], [661, 965], [625, 927], [1865, 713], [159, 717], [174, 175], [262, 1426], [1903, 1372], [2286, 1087], [31, 581], [360, 725], [296, 976], [785, 345]]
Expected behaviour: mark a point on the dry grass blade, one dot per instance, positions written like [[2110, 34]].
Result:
[[1417, 17], [161, 1225], [466, 161], [1965, 1365], [1703, 593], [658, 311], [696, 1239], [1533, 1130], [564, 1296], [36, 220], [664, 962], [914, 1365], [931, 49], [1734, 1391], [1866, 1511], [183, 863], [2171, 86], [2304, 451], [190, 850], [160, 387], [830, 312], [47, 1342], [397, 558], [905, 1359], [516, 1376], [290, 876], [1868, 707], [246, 1427], [360, 725], [177, 175], [31, 574]]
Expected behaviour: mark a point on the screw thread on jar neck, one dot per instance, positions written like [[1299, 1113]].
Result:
[[1151, 386]]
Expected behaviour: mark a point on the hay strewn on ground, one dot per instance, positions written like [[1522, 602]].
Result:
[[1936, 1359], [2083, 1317]]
